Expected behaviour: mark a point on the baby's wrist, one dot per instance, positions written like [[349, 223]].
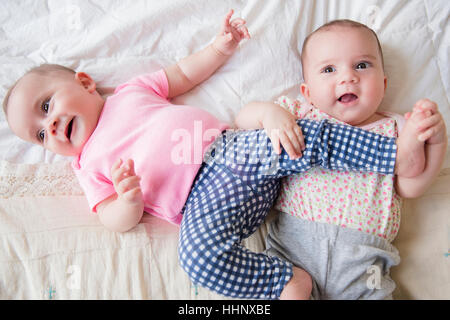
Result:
[[216, 48], [132, 203], [135, 201]]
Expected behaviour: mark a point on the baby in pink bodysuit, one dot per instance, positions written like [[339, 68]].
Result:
[[171, 167], [217, 202]]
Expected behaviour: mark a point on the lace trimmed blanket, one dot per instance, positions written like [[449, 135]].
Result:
[[24, 180]]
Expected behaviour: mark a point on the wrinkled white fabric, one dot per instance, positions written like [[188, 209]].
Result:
[[51, 247]]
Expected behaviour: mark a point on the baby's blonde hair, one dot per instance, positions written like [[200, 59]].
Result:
[[43, 69], [338, 23]]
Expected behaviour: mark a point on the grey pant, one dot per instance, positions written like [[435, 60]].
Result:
[[343, 263]]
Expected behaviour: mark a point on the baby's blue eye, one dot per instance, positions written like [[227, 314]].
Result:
[[45, 105], [362, 65], [328, 69], [41, 135]]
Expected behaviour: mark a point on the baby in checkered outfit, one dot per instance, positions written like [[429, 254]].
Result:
[[219, 195], [337, 225]]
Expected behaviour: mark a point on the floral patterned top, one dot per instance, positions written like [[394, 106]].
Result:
[[359, 200]]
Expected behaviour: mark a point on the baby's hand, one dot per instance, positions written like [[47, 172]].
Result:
[[126, 182], [281, 127], [431, 128], [230, 35]]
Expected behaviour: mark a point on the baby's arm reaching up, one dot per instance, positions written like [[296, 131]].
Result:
[[424, 124], [123, 210], [199, 66]]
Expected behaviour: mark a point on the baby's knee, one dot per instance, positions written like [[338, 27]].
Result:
[[196, 259]]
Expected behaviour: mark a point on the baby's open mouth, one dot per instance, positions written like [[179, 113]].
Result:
[[348, 97], [69, 129]]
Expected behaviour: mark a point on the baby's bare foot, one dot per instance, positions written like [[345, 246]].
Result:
[[410, 160], [299, 287]]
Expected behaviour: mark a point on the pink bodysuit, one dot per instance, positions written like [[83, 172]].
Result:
[[166, 142]]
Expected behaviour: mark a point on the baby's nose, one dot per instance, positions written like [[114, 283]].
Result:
[[54, 129], [51, 127], [349, 76]]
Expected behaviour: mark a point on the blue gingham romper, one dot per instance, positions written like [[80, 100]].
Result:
[[235, 188]]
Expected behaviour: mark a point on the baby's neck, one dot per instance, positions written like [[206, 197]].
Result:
[[373, 118], [105, 91]]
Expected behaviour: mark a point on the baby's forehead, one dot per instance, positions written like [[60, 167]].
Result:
[[32, 83], [24, 95], [40, 79], [30, 79], [22, 87], [330, 35], [20, 114], [337, 30]]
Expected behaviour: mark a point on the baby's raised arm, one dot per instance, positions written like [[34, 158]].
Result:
[[199, 66], [424, 124]]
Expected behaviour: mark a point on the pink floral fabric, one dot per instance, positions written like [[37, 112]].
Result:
[[363, 201]]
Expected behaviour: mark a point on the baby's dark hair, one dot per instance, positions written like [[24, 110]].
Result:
[[43, 69], [339, 23]]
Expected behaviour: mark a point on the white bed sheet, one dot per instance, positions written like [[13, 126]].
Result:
[[116, 40]]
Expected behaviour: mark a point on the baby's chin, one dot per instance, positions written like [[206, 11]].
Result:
[[349, 119], [356, 119], [72, 151]]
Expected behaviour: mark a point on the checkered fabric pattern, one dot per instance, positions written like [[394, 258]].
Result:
[[237, 185]]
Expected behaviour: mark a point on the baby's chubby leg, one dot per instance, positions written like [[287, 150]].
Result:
[[331, 146], [299, 286], [220, 212]]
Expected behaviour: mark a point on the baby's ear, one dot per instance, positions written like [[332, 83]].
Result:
[[86, 81], [305, 92]]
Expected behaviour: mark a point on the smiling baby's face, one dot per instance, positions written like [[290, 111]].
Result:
[[58, 110], [344, 74]]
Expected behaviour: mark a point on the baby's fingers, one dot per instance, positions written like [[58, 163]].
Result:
[[431, 131], [425, 104], [236, 23], [290, 145], [130, 166], [240, 32], [133, 195], [274, 136], [427, 134], [116, 165], [127, 184], [300, 138], [120, 170], [226, 22], [118, 174], [430, 121], [239, 25], [296, 144], [408, 115]]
